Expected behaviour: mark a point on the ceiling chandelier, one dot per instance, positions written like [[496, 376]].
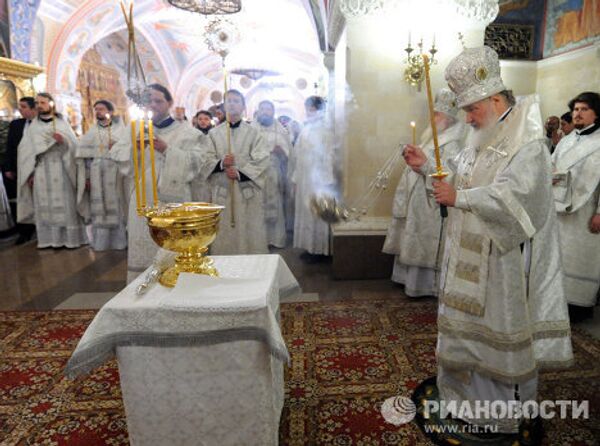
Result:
[[478, 11], [254, 73], [208, 7], [360, 8]]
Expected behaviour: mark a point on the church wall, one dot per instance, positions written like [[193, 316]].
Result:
[[560, 78], [382, 103], [519, 76]]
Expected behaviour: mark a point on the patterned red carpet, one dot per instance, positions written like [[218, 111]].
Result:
[[347, 358]]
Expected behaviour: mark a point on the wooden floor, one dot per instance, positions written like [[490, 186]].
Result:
[[42, 279]]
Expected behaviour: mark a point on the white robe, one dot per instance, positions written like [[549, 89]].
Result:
[[249, 235], [201, 191], [276, 185], [176, 169], [577, 198], [52, 202], [104, 204], [414, 232], [502, 314], [6, 221], [312, 174]]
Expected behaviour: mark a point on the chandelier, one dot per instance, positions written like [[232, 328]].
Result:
[[208, 7], [254, 73], [478, 11], [360, 8]]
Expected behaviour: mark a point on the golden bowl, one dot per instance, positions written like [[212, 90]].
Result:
[[187, 229]]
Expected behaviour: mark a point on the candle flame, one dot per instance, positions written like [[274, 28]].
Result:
[[150, 114], [107, 116], [413, 124]]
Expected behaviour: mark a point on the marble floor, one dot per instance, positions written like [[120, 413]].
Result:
[[45, 279]]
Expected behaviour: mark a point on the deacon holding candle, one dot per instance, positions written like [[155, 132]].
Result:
[[414, 230], [47, 172], [501, 275], [237, 170], [162, 157], [101, 187]]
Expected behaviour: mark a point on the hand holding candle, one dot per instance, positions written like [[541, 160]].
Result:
[[51, 103], [107, 116]]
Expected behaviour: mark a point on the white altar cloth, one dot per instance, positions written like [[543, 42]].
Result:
[[214, 384]]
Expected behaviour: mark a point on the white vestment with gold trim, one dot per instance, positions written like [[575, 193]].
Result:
[[502, 314]]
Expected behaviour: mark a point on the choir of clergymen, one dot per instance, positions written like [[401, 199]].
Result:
[[66, 184]]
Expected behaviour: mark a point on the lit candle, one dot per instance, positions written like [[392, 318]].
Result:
[[136, 171], [413, 126], [107, 116], [152, 161], [433, 45], [143, 157], [409, 39], [53, 117]]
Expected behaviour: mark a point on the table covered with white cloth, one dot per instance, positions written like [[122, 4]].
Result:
[[201, 363]]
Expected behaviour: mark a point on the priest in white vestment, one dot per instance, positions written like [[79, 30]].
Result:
[[576, 186], [502, 315], [414, 233], [47, 173], [179, 160], [278, 140], [200, 187], [313, 174], [240, 175], [102, 189]]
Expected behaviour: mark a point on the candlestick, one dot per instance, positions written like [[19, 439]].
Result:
[[231, 182], [152, 160], [440, 174], [107, 116], [143, 158], [51, 103], [136, 170], [413, 126]]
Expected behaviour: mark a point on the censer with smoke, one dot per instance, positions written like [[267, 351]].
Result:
[[327, 207]]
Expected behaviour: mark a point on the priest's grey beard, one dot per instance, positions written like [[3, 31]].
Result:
[[482, 135]]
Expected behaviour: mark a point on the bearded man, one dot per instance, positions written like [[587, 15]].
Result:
[[47, 173], [276, 186], [102, 190], [502, 313]]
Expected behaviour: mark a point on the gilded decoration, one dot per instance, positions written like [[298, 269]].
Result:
[[21, 74], [96, 81]]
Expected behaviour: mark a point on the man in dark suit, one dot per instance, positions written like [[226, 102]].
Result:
[[15, 133]]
